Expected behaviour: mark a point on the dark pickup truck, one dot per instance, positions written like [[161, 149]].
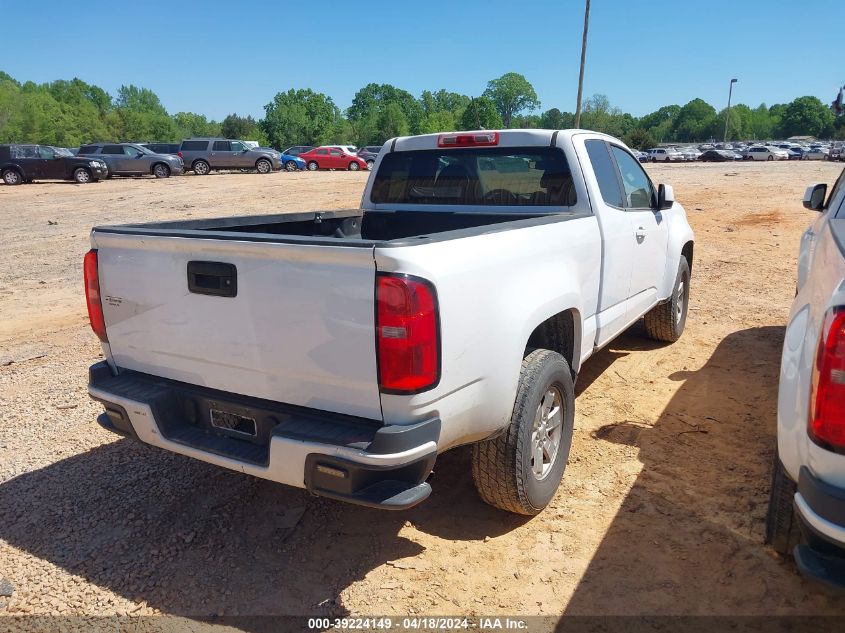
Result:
[[25, 163]]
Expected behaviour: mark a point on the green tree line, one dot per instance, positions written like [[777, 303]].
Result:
[[71, 112]]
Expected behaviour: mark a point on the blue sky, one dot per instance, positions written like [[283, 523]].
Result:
[[221, 57]]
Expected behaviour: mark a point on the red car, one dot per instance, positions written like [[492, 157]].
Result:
[[331, 158]]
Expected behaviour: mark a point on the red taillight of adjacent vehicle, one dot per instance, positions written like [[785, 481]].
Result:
[[179, 154], [92, 295], [407, 334], [477, 139], [827, 395]]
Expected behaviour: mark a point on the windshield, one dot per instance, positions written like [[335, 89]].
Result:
[[531, 176], [61, 151]]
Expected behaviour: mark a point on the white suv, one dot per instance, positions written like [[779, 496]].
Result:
[[766, 152], [665, 154], [807, 504]]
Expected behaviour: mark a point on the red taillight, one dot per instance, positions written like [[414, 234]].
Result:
[[468, 140], [179, 154], [407, 336], [827, 395], [92, 295]]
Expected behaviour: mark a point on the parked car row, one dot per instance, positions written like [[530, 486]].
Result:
[[22, 163], [768, 151]]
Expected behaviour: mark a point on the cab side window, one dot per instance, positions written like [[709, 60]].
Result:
[[235, 146], [112, 149], [221, 146], [46, 152], [638, 190], [836, 198], [605, 172]]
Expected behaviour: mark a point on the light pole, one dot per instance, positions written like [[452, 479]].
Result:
[[583, 57], [728, 111]]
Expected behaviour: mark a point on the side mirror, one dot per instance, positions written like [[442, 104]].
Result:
[[665, 197], [814, 197], [139, 155]]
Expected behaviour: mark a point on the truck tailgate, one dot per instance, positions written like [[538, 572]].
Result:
[[299, 328]]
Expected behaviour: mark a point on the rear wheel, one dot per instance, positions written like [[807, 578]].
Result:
[[263, 166], [12, 177], [666, 321], [782, 531], [353, 166], [290, 165], [82, 176], [161, 171], [520, 469], [313, 166], [770, 157], [201, 168], [370, 164]]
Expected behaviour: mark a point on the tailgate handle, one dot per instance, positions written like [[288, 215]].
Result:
[[213, 278]]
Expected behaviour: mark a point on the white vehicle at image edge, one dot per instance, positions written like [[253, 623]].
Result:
[[342, 351], [807, 506]]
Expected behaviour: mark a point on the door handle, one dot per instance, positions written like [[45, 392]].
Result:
[[640, 234]]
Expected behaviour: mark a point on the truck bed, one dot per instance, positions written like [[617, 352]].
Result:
[[345, 227]]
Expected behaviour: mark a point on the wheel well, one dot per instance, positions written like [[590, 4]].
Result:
[[557, 333], [14, 168], [686, 252], [200, 160], [153, 166], [260, 158]]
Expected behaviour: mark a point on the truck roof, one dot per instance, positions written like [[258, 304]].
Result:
[[507, 138]]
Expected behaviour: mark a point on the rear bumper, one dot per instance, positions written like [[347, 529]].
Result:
[[332, 455], [820, 509]]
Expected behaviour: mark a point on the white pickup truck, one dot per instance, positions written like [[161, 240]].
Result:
[[807, 505], [341, 351]]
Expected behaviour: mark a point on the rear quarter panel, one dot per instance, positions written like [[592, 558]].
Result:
[[493, 290]]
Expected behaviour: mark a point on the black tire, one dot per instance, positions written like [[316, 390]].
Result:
[[12, 177], [291, 166], [782, 531], [160, 170], [502, 467], [770, 157], [264, 166], [82, 176], [201, 168], [313, 166], [666, 321], [370, 164]]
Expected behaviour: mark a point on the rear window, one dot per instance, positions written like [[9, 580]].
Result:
[[497, 176], [112, 149], [24, 151], [194, 146], [88, 149]]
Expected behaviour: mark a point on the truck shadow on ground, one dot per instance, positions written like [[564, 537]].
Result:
[[192, 539], [688, 538]]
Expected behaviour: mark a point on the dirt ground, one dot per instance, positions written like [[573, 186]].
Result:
[[661, 510]]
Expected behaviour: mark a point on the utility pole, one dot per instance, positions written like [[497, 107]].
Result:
[[583, 58], [728, 111]]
